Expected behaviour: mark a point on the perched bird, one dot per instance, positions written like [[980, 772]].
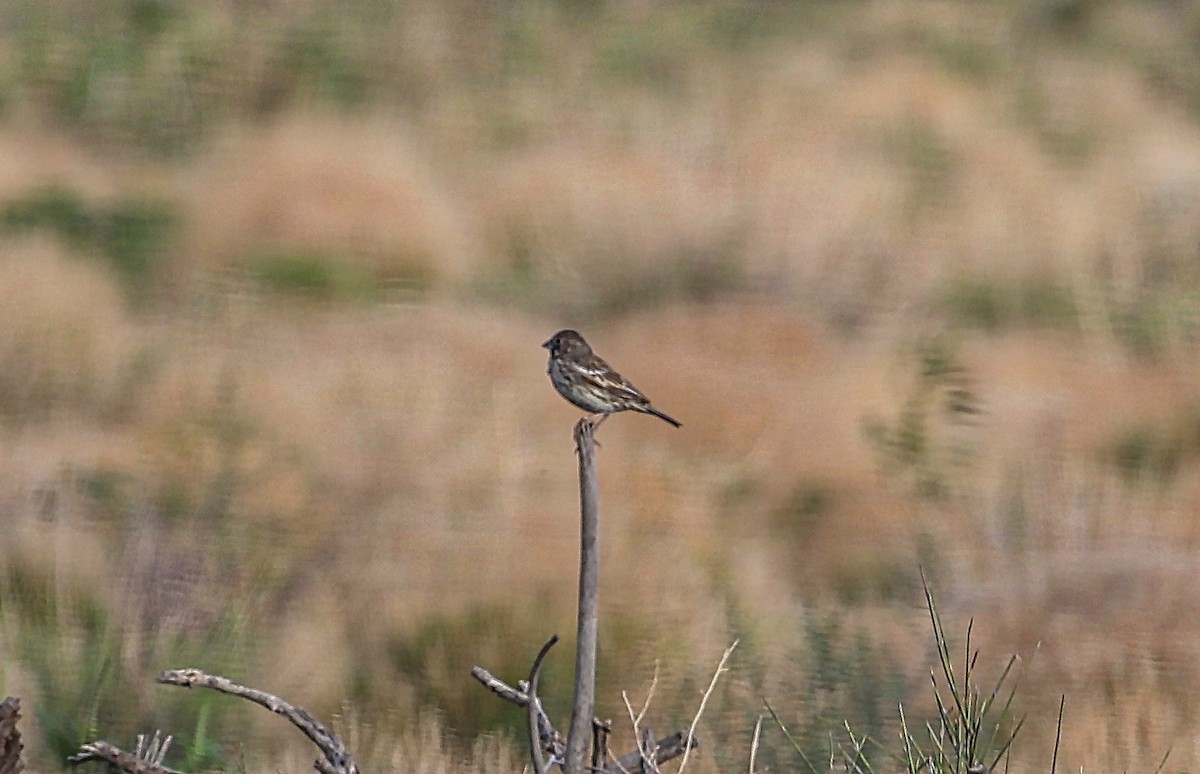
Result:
[[584, 379]]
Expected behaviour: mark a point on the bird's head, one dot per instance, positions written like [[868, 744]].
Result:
[[566, 342]]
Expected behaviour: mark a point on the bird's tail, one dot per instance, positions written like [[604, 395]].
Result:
[[662, 416]]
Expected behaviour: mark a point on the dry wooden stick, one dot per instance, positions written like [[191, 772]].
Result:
[[573, 755], [754, 744], [668, 748], [552, 741], [645, 704], [583, 705], [600, 734], [704, 702], [644, 738], [337, 759], [153, 748], [111, 754], [531, 711], [665, 749]]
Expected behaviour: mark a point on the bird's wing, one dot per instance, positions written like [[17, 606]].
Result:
[[602, 375]]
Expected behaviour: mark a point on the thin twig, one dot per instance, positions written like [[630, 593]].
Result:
[[115, 756], [531, 714], [704, 702], [153, 748], [668, 748], [600, 732], [649, 748], [649, 694], [635, 720], [754, 744]]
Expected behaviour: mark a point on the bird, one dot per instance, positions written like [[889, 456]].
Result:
[[584, 379]]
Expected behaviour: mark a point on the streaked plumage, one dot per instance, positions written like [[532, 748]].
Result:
[[585, 380]]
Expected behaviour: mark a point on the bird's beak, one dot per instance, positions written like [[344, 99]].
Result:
[[546, 343]]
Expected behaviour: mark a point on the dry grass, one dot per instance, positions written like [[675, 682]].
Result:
[[66, 343], [756, 239], [385, 477], [345, 190]]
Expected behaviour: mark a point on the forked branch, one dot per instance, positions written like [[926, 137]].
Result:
[[552, 741], [667, 748]]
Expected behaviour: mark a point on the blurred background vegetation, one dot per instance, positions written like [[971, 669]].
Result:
[[920, 277]]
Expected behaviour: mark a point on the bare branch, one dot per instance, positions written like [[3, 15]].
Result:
[[337, 759], [574, 753], [103, 751], [649, 753], [649, 695], [531, 710], [754, 744], [666, 749], [584, 703], [600, 733], [552, 741], [704, 702], [153, 748], [649, 748], [499, 687], [635, 720]]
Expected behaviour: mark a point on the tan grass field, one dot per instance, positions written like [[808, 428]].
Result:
[[351, 499]]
